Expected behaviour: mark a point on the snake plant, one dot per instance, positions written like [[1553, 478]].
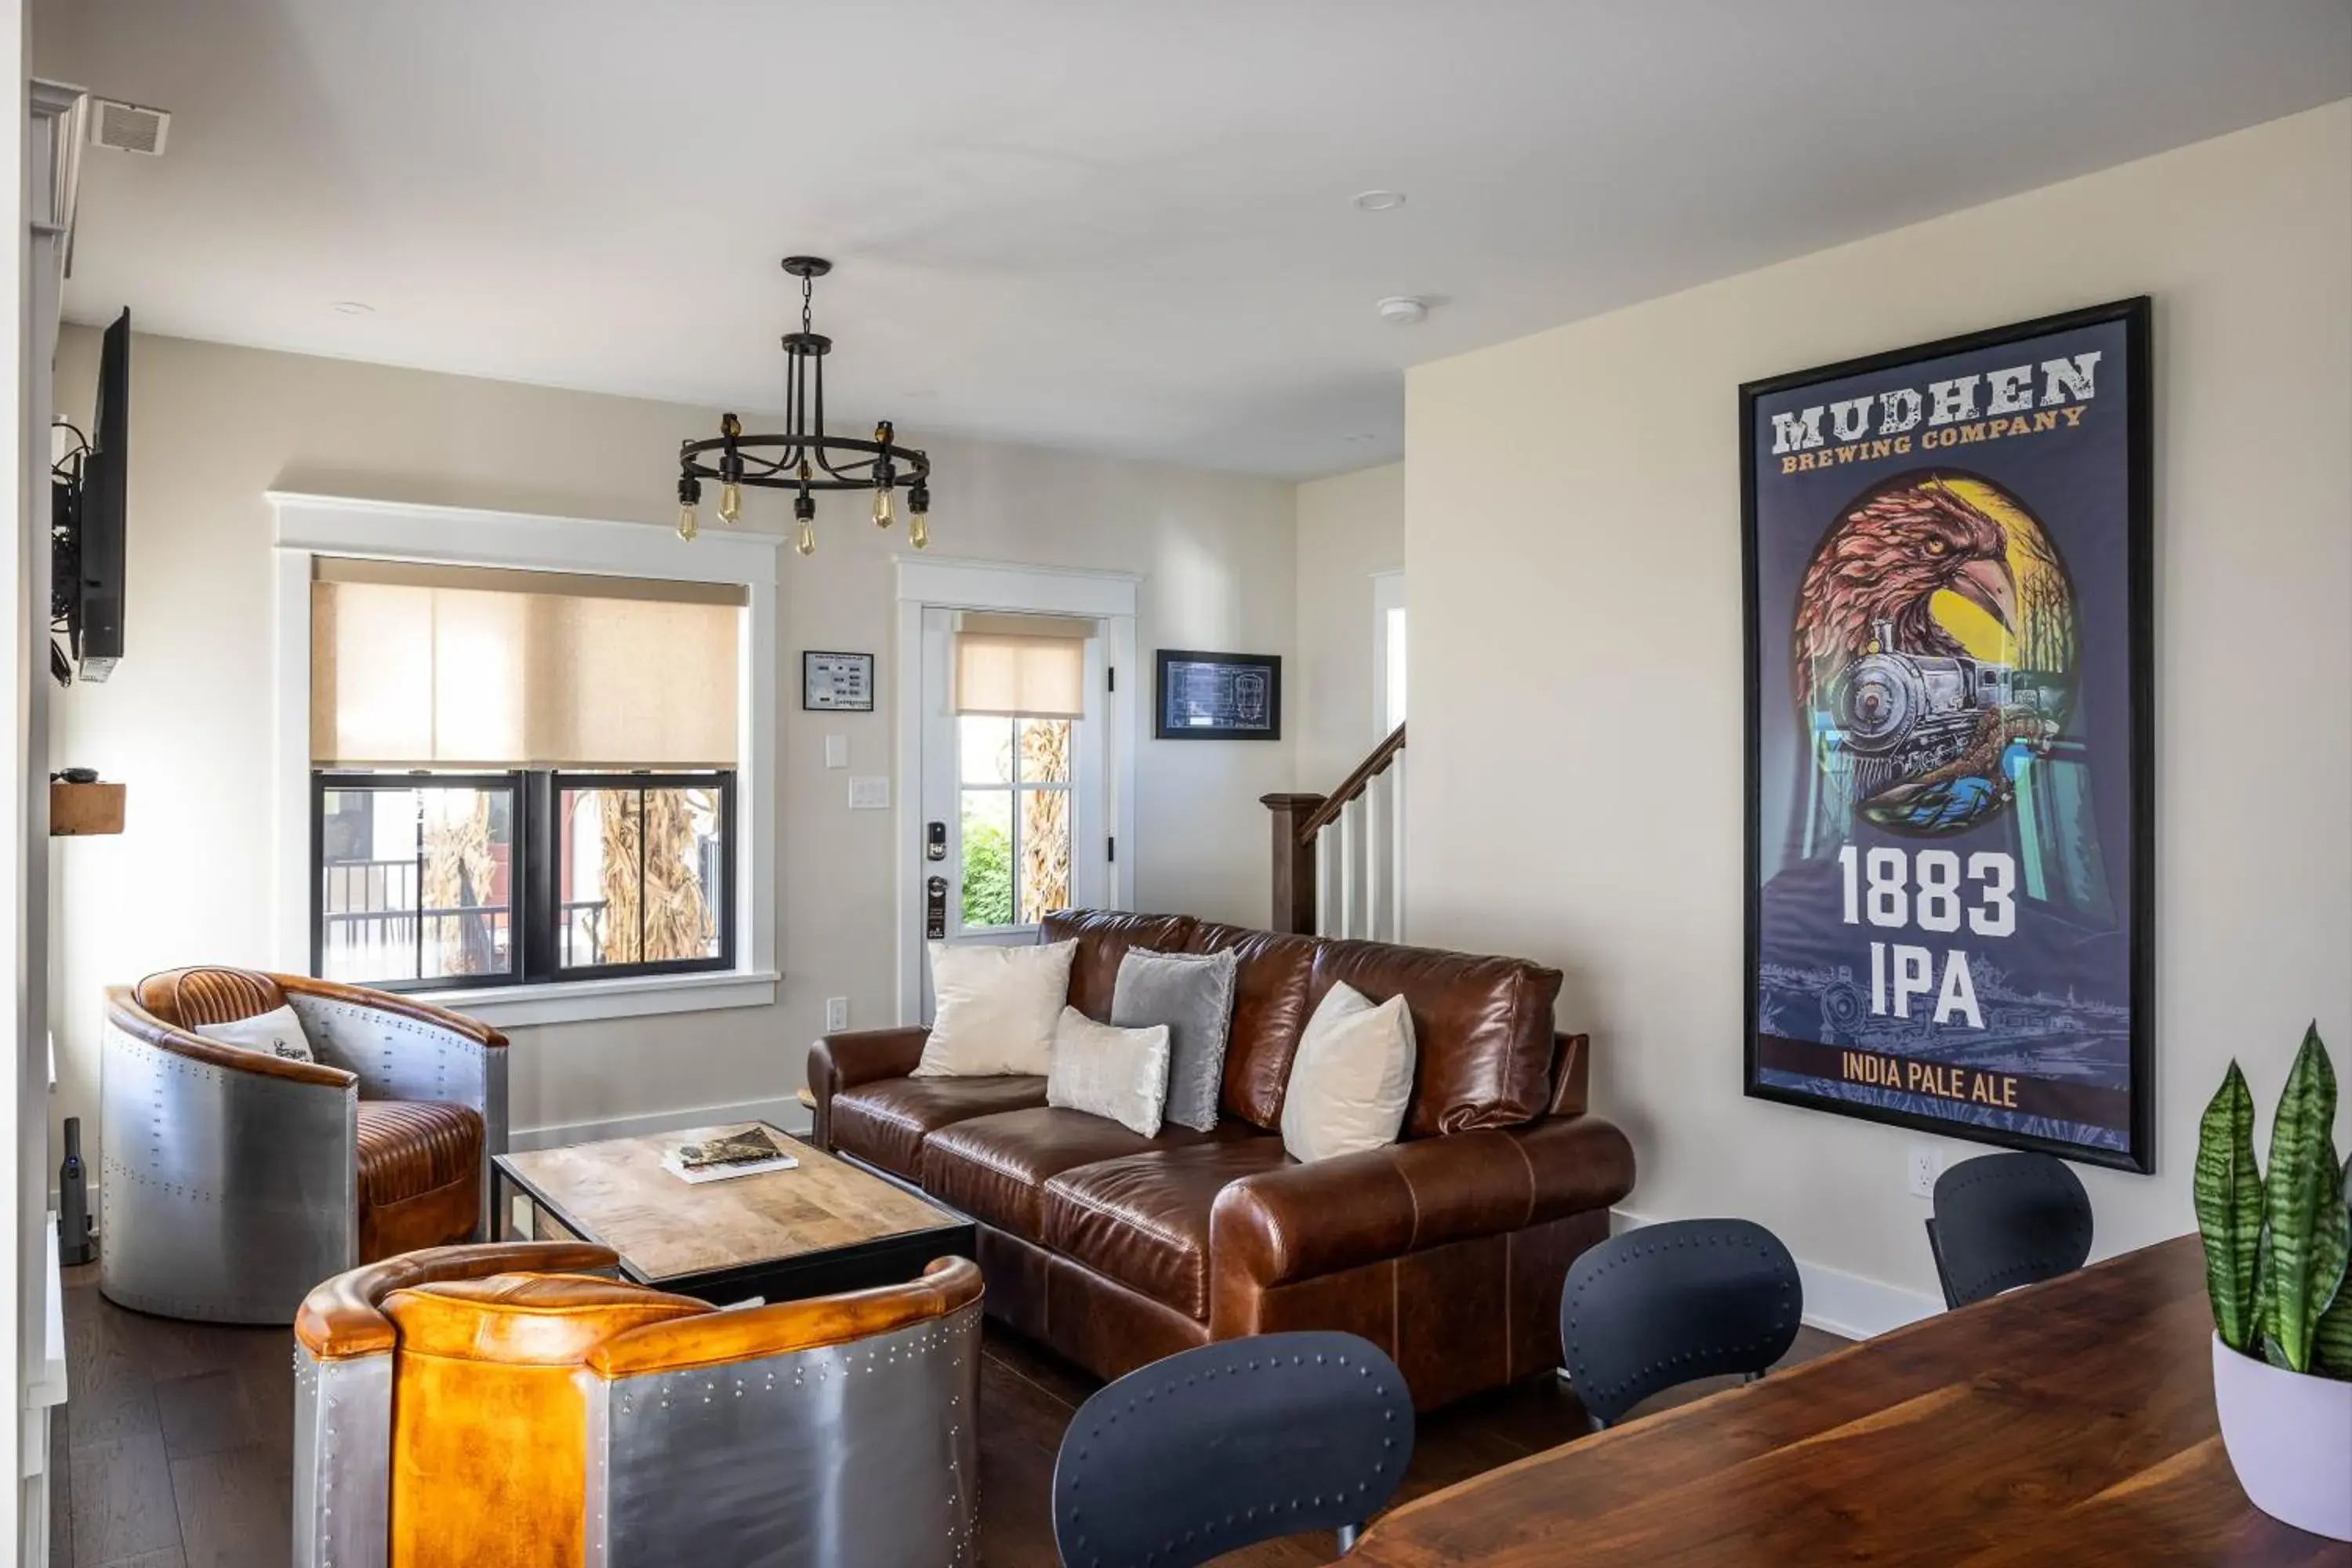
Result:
[[2277, 1242]]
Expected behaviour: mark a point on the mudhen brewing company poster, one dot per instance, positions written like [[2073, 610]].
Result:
[[1947, 566]]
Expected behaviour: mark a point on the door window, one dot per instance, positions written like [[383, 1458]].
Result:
[[1015, 812]]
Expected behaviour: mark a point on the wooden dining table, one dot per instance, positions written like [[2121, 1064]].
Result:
[[2069, 1423]]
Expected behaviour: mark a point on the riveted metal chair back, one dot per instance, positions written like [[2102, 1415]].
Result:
[[1230, 1443], [1667, 1303], [2006, 1220]]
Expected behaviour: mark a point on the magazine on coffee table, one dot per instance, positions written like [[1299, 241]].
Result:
[[744, 1153]]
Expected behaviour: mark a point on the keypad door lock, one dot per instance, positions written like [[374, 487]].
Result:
[[935, 841], [935, 908]]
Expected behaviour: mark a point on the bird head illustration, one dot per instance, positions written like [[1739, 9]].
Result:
[[1883, 562]]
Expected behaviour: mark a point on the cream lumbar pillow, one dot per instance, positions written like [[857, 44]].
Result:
[[277, 1033], [1350, 1080], [996, 1008], [1108, 1071]]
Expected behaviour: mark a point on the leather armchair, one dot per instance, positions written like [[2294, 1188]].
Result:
[[233, 1181], [464, 1406]]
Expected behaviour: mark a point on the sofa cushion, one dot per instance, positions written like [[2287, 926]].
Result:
[[419, 1178], [1104, 937], [993, 1167], [884, 1122], [1144, 1220], [1192, 994], [1482, 1029], [1270, 1009]]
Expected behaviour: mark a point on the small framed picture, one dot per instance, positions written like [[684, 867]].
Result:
[[1218, 696], [836, 682]]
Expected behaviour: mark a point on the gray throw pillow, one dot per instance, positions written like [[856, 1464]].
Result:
[[1192, 994]]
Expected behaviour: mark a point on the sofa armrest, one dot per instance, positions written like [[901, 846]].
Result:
[[837, 1062], [342, 1317], [1302, 1221]]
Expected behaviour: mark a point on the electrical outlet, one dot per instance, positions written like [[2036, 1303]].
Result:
[[836, 1013], [1925, 1166]]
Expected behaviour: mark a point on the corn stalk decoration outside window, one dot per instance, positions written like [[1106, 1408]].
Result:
[[677, 918], [1045, 819], [459, 873]]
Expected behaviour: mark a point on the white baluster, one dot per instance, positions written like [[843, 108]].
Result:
[[1351, 816], [1376, 849], [1396, 849], [1327, 878]]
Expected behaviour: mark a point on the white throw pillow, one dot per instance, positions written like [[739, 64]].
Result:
[[996, 1008], [277, 1033], [1108, 1071], [1350, 1080]]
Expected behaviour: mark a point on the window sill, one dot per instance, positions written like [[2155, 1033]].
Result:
[[583, 1001]]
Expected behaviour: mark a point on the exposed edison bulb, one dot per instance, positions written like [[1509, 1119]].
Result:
[[806, 542], [919, 530], [730, 503], [882, 514], [689, 524]]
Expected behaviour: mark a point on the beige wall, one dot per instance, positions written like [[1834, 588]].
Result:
[[1348, 527], [1572, 526], [186, 719]]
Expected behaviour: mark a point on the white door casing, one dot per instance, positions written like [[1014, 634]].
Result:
[[1103, 743]]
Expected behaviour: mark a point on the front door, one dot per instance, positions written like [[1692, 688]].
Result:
[[1015, 822]]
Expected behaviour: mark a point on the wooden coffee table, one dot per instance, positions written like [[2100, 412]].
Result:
[[822, 1227]]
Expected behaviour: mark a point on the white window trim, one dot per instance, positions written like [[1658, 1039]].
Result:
[[931, 582], [311, 525]]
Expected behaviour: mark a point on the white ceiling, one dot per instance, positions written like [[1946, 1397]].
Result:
[[1117, 227]]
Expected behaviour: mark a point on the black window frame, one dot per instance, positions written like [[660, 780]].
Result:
[[533, 917]]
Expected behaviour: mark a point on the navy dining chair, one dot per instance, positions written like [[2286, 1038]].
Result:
[[2006, 1220], [1216, 1447], [1666, 1304]]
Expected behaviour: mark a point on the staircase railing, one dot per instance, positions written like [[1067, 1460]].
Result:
[[1339, 859]]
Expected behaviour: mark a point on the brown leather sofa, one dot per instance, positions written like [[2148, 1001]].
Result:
[[1447, 1249]]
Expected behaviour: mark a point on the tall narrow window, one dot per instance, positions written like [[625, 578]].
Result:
[[520, 775]]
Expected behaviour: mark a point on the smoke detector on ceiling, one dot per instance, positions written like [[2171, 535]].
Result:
[[1403, 309], [128, 127]]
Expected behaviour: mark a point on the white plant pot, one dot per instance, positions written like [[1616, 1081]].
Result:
[[2289, 1436]]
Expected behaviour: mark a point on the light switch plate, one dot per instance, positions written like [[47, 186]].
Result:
[[869, 793], [836, 751], [836, 1013]]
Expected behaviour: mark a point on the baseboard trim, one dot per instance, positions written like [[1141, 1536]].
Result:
[[788, 1113], [1848, 1305]]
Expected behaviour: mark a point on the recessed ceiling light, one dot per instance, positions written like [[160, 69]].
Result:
[[1379, 201], [1403, 309], [353, 308]]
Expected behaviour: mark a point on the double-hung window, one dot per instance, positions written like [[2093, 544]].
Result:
[[520, 776]]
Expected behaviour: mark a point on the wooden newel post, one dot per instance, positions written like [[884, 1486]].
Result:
[[1294, 861]]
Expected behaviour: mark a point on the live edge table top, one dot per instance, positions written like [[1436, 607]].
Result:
[[678, 1234], [2067, 1424]]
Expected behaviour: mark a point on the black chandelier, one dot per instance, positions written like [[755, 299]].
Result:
[[804, 460]]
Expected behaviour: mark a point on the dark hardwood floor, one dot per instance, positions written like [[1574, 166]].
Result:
[[177, 1443]]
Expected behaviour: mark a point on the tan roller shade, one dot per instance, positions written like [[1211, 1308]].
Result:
[[1033, 665], [416, 666]]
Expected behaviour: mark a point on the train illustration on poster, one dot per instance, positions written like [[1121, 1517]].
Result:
[[1946, 613]]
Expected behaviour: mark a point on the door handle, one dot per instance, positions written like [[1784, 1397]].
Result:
[[935, 908]]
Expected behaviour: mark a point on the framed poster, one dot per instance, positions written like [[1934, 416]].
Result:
[[837, 682], [1218, 696], [1945, 555]]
